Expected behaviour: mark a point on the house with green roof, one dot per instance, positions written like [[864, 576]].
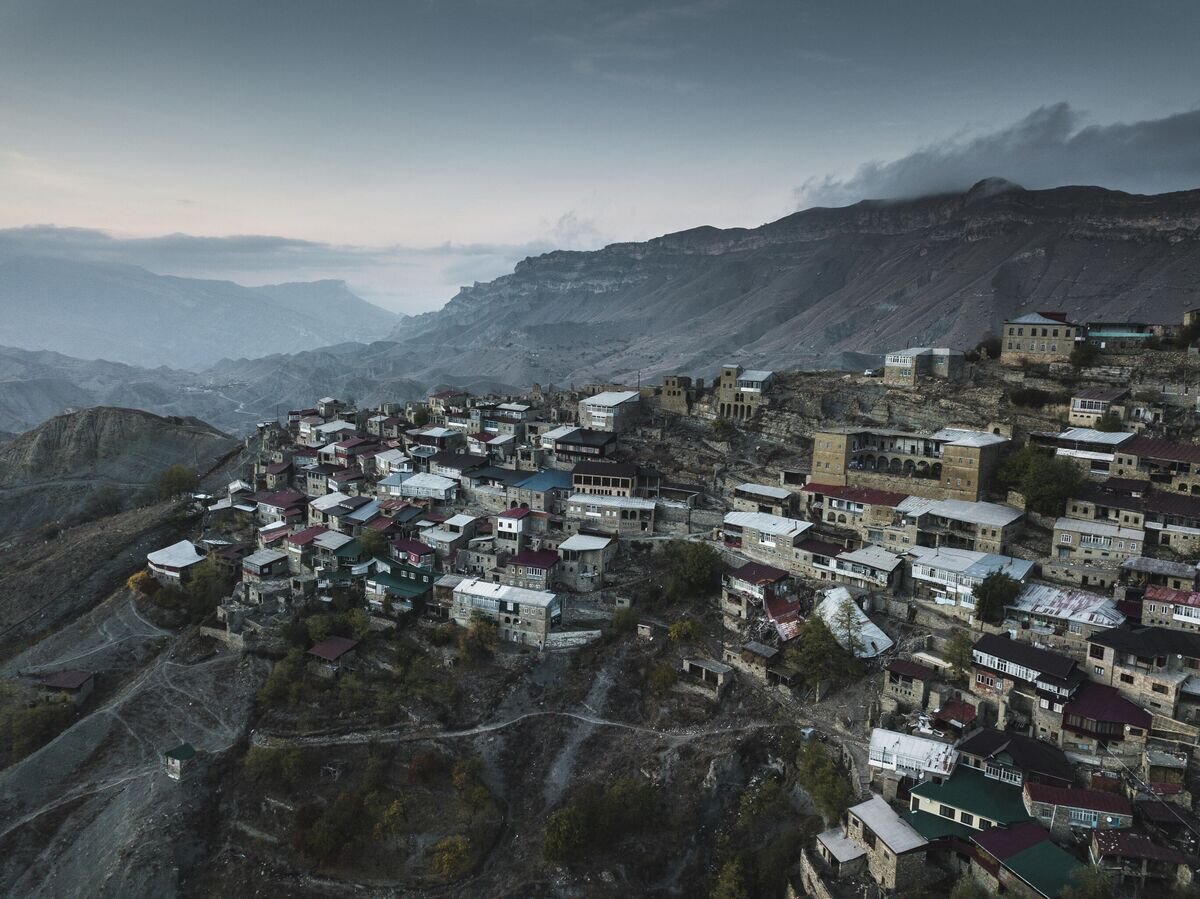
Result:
[[1022, 861], [968, 798]]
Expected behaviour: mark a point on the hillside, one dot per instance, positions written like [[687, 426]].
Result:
[[49, 473], [801, 291], [127, 314]]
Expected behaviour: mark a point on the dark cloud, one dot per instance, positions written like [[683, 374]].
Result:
[[1049, 147]]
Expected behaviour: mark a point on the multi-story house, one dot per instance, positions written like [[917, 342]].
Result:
[[620, 515], [533, 569], [512, 530], [612, 410], [1024, 682], [1171, 608], [1100, 723], [604, 478], [968, 798], [1151, 666], [747, 589], [582, 445], [869, 567], [1039, 337], [981, 527], [585, 560], [544, 491], [1091, 404], [895, 851], [1171, 466], [1015, 758], [678, 394], [1066, 810], [1070, 615], [446, 538], [772, 539], [951, 463], [948, 576], [1096, 543], [740, 393], [866, 510], [903, 368], [1093, 452], [908, 683], [767, 498], [521, 615], [911, 757]]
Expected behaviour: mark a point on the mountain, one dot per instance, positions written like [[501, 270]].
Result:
[[123, 313], [37, 384], [50, 472], [805, 290]]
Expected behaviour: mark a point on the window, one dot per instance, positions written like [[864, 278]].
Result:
[[1095, 651], [946, 812], [1127, 678], [1098, 669], [966, 819], [1064, 538], [1159, 688]]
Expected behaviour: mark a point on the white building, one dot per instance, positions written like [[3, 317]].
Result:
[[872, 641], [520, 615], [918, 758], [610, 411]]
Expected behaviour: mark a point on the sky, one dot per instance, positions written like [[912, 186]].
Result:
[[412, 147]]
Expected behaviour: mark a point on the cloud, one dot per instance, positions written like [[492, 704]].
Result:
[[402, 278], [1049, 147]]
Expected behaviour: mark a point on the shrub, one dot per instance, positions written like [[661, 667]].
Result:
[[451, 857], [662, 678], [142, 583]]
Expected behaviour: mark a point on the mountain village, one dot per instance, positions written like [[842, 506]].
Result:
[[987, 629]]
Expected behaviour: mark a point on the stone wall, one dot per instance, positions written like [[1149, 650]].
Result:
[[810, 878]]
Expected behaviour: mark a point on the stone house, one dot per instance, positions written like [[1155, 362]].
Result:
[[745, 589], [1091, 404], [678, 394], [265, 564], [178, 759], [520, 615], [533, 569], [866, 510], [1062, 810], [1070, 615], [1168, 465], [173, 565], [908, 683], [740, 393], [604, 478], [1021, 861], [1098, 721], [584, 560], [771, 539], [1014, 758], [1151, 666], [1040, 337], [620, 515], [895, 851], [948, 577], [72, 685], [611, 410], [768, 498], [1136, 863], [544, 491], [904, 368], [1025, 682], [1096, 543]]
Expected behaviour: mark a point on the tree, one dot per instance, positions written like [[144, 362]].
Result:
[[683, 630], [819, 657], [479, 639], [993, 595], [987, 348], [175, 481], [1085, 355], [566, 834], [848, 627], [693, 570], [102, 502], [421, 417], [723, 430], [1045, 480], [731, 882], [373, 543], [958, 652], [451, 857], [662, 678], [1088, 882], [966, 887], [817, 773], [1108, 423], [142, 583]]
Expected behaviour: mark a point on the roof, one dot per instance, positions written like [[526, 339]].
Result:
[[612, 398], [1153, 448], [332, 648], [969, 790], [1089, 435], [958, 712], [965, 437], [71, 679], [306, 536], [459, 461], [584, 542], [1035, 318], [840, 846], [896, 833], [873, 556], [426, 481], [264, 557], [584, 437], [989, 514], [1068, 603], [873, 641], [758, 574], [1043, 661], [968, 562], [414, 547], [767, 490], [908, 668], [935, 827], [767, 524], [177, 555], [1130, 844], [821, 548], [929, 755], [182, 752], [515, 513], [1150, 641], [1076, 797], [1045, 867], [551, 479], [1160, 566], [1025, 753], [605, 469], [866, 495], [1104, 394], [329, 501], [1175, 597], [460, 521], [544, 559], [613, 502], [1099, 529], [1004, 842], [1100, 702], [488, 590]]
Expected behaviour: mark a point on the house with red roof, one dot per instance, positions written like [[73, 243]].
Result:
[[1136, 863], [863, 509], [906, 684], [72, 685], [744, 590], [1064, 810], [531, 569], [414, 552], [1099, 721], [331, 655]]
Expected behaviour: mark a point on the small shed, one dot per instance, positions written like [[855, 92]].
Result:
[[332, 653], [711, 673], [72, 685], [176, 761]]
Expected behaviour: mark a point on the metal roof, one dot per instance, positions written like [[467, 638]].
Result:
[[767, 524], [1068, 603], [894, 831]]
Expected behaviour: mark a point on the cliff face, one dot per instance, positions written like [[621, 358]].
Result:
[[50, 472], [802, 291]]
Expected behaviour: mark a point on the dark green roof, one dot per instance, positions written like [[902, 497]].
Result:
[[1045, 867], [181, 752], [351, 550], [967, 789], [399, 585], [934, 827]]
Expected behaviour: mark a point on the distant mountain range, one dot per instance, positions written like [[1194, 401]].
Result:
[[122, 313], [822, 288]]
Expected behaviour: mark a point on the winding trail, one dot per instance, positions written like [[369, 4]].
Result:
[[395, 735]]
